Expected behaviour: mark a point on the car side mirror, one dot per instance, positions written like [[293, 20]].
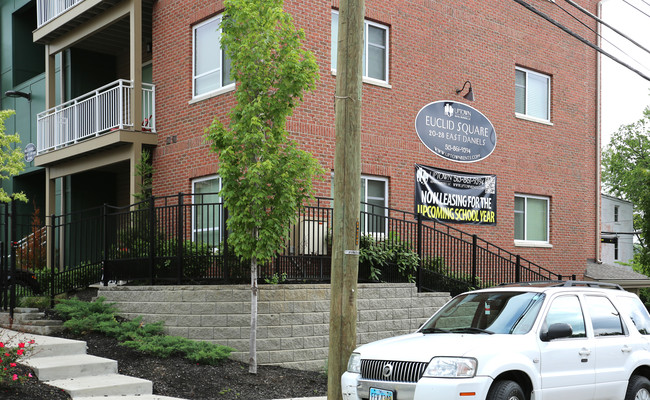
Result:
[[557, 331]]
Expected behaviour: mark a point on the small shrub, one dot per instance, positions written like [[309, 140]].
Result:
[[165, 346]]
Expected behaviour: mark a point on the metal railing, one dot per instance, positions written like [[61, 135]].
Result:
[[47, 10], [92, 114], [182, 239]]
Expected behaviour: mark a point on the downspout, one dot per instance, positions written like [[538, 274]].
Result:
[[598, 134]]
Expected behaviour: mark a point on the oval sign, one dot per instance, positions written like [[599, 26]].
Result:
[[455, 131], [30, 152]]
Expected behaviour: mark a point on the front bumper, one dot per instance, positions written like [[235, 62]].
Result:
[[355, 388]]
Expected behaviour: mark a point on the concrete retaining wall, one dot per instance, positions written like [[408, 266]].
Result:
[[293, 320]]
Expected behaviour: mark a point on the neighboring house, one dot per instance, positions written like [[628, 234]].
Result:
[[122, 76], [617, 230]]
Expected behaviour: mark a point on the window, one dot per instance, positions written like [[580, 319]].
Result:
[[616, 209], [211, 66], [207, 211], [567, 310], [605, 318], [531, 218], [633, 307], [374, 200], [375, 49], [532, 94]]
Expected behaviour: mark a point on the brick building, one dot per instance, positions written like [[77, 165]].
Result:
[[544, 158], [535, 84]]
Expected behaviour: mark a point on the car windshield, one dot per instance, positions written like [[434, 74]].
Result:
[[487, 312]]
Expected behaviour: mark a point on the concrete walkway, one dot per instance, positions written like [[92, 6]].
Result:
[[64, 363]]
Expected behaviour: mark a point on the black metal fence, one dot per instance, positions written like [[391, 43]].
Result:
[[182, 239]]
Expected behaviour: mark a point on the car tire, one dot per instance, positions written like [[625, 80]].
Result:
[[507, 390], [638, 388]]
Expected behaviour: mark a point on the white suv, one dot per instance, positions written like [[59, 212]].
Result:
[[552, 341]]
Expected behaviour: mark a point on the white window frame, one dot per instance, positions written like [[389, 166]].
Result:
[[379, 235], [222, 88], [525, 114], [534, 243], [195, 198], [366, 78]]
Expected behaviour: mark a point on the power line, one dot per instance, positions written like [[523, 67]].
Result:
[[585, 11], [597, 34], [636, 8], [585, 41]]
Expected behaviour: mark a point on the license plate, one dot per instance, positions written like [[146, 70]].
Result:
[[380, 394]]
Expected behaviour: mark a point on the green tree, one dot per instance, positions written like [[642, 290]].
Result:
[[266, 177], [12, 159], [626, 173]]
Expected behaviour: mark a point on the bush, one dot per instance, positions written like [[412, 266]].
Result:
[[8, 362], [390, 256], [98, 316]]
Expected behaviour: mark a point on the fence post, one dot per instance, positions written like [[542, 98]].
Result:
[[179, 238], [418, 284], [12, 286], [152, 239], [224, 254], [53, 258], [518, 269], [105, 243], [474, 261], [5, 259]]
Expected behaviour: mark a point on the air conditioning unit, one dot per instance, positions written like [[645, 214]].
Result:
[[313, 237]]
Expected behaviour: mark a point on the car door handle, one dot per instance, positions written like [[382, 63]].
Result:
[[626, 349], [584, 352]]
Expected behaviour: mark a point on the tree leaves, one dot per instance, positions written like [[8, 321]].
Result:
[[266, 176], [11, 158]]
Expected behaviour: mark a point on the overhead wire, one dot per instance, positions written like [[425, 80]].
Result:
[[590, 14], [596, 32], [580, 38], [636, 8]]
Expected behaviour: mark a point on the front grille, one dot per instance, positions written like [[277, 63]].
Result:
[[393, 371]]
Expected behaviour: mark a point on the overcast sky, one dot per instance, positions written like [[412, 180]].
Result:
[[624, 93]]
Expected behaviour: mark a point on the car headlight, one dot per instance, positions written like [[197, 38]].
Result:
[[354, 363], [451, 367]]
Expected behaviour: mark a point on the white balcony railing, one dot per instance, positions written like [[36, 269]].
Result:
[[93, 114], [47, 10]]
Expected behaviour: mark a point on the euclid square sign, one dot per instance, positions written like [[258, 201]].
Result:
[[457, 197], [455, 131]]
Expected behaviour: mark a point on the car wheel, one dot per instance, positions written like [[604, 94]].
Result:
[[507, 390], [638, 388]]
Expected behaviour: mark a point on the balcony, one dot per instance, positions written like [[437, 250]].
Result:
[[94, 114]]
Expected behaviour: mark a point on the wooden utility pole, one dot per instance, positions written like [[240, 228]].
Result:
[[347, 181]]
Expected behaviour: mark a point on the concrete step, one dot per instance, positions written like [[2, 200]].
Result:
[[103, 385], [63, 367], [47, 346], [35, 329]]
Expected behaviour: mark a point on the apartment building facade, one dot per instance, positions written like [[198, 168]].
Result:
[[155, 76]]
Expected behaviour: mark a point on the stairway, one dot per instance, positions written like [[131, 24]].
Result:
[[30, 320], [63, 363]]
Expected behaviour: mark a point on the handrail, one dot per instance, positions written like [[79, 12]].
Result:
[[102, 110], [47, 10]]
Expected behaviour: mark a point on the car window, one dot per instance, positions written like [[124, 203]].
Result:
[[634, 308], [567, 310], [605, 319], [490, 312]]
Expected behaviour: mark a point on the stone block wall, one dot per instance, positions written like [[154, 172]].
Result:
[[293, 320]]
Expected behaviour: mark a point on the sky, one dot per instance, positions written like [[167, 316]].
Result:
[[624, 93]]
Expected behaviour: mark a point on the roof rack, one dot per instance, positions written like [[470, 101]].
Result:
[[569, 283], [606, 285]]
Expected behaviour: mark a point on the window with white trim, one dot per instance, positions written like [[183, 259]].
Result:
[[375, 49], [532, 94], [532, 219], [210, 65], [374, 203], [207, 210]]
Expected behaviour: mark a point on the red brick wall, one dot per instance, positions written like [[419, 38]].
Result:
[[434, 48]]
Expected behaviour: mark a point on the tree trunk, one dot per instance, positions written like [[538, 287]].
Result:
[[252, 362]]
